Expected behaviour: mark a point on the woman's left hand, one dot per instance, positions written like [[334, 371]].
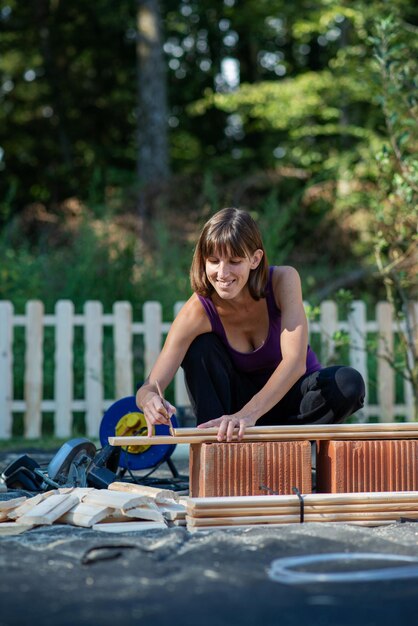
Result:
[[228, 424]]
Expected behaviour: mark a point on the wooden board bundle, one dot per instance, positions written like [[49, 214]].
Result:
[[372, 508], [312, 432]]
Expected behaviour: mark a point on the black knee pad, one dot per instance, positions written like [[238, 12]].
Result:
[[351, 384]]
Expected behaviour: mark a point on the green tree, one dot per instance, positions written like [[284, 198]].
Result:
[[68, 98], [395, 235]]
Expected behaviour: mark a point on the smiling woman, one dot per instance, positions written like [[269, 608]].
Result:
[[242, 341], [229, 235]]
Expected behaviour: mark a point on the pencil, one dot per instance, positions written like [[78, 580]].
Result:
[[157, 384]]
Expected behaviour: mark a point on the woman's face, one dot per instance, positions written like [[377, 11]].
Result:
[[229, 274]]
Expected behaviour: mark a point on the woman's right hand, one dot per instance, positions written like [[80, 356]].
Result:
[[157, 411]]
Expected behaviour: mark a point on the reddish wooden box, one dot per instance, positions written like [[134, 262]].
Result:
[[242, 469], [369, 465]]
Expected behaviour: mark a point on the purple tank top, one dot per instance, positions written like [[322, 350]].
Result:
[[267, 357]]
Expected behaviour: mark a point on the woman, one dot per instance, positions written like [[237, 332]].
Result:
[[242, 341]]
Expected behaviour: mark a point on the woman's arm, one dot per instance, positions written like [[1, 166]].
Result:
[[293, 340], [190, 322]]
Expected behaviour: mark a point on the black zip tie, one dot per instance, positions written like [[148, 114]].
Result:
[[265, 488], [302, 503], [407, 520]]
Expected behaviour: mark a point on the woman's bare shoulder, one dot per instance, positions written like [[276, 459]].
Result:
[[286, 284], [192, 317], [285, 274]]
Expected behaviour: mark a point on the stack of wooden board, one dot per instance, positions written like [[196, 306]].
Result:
[[121, 508], [371, 508], [312, 432]]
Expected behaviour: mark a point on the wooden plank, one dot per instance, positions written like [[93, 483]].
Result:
[[329, 325], [242, 521], [357, 328], [30, 503], [139, 513], [308, 509], [12, 503], [160, 495], [85, 515], [196, 529], [93, 363], [79, 492], [308, 435], [413, 349], [129, 527], [33, 376], [6, 369], [316, 428], [178, 522], [152, 334], [49, 510], [64, 377], [122, 338], [116, 499], [385, 374], [13, 528], [173, 512], [173, 516], [294, 519], [309, 499]]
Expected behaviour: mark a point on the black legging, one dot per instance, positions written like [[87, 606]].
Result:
[[216, 388]]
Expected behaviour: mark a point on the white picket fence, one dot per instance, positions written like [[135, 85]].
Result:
[[152, 327]]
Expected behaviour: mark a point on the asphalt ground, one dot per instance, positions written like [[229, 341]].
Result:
[[63, 575]]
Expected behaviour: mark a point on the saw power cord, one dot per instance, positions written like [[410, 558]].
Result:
[[135, 479]]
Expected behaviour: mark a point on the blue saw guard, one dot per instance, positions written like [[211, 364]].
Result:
[[150, 457]]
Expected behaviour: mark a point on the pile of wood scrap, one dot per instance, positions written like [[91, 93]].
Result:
[[370, 508], [122, 507]]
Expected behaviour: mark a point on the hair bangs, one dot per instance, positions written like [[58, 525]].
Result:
[[224, 241]]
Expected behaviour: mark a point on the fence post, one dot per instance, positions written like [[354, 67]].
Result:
[[122, 337], [180, 391], [64, 376], [329, 325], [358, 336], [93, 364], [152, 334], [33, 369], [6, 369], [385, 373], [409, 395]]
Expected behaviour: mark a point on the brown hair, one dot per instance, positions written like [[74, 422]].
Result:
[[231, 232]]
